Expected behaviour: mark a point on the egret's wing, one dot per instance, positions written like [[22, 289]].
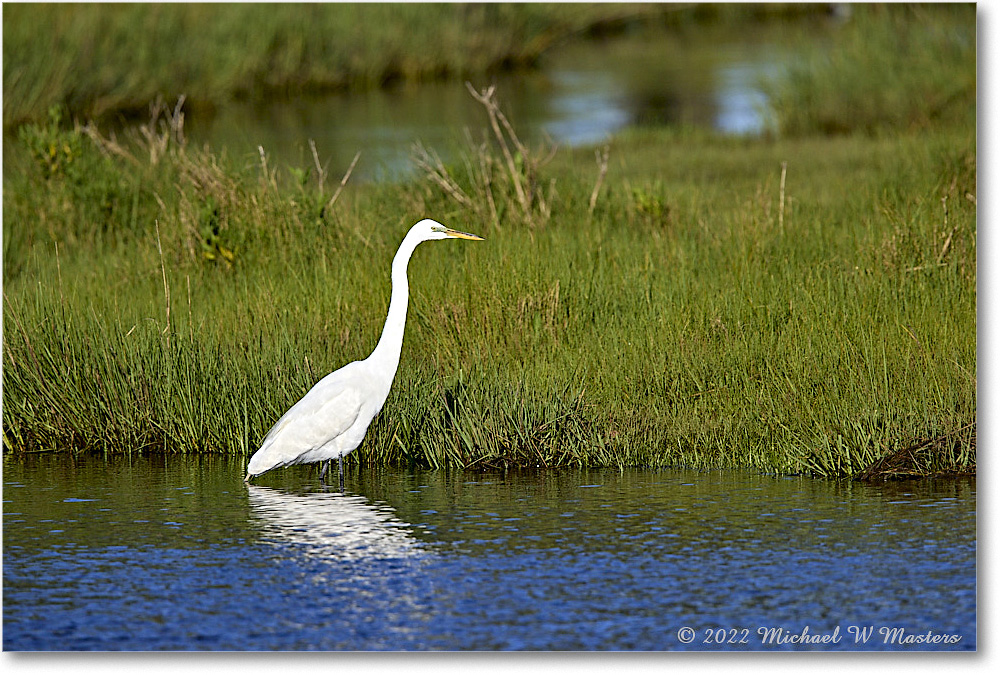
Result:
[[328, 410], [318, 419]]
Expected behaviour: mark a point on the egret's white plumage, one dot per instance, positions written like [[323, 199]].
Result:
[[331, 419]]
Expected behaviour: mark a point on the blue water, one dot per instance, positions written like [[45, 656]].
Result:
[[177, 554]]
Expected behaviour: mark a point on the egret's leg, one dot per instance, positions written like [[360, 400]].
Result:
[[341, 464], [322, 470]]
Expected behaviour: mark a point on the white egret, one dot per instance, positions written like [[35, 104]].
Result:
[[331, 419]]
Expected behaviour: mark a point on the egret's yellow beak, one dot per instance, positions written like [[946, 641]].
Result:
[[462, 235]]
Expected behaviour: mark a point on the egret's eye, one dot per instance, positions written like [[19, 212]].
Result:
[[437, 228]]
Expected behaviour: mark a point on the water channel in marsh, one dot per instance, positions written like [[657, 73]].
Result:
[[177, 553], [581, 94]]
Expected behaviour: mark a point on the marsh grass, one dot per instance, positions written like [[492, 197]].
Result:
[[497, 179], [804, 305], [887, 67]]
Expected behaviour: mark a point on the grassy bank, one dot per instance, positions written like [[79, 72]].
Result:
[[805, 302], [798, 305]]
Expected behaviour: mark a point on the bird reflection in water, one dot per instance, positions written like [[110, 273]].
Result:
[[332, 524]]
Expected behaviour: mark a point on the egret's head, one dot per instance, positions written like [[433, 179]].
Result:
[[432, 229]]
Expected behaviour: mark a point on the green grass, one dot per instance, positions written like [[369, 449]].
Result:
[[802, 302], [890, 67], [692, 318]]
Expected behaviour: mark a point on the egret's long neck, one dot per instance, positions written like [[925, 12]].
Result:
[[386, 353]]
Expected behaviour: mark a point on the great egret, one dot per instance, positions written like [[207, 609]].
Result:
[[332, 418]]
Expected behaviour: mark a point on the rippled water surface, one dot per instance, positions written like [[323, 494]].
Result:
[[177, 553]]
